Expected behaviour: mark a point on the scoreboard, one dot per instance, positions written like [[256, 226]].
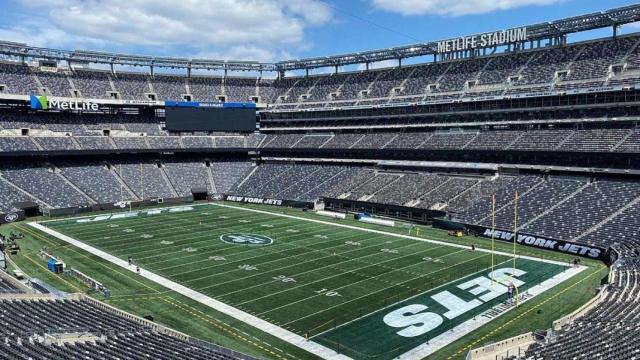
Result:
[[196, 116]]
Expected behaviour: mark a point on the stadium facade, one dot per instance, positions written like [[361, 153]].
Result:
[[516, 110]]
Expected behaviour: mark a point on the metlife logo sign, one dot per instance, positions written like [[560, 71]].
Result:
[[44, 103]]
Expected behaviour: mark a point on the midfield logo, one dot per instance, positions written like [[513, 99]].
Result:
[[246, 239]]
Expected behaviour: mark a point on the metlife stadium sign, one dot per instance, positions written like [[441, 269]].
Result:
[[497, 38], [44, 103]]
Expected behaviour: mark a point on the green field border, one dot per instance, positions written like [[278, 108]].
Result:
[[142, 297]]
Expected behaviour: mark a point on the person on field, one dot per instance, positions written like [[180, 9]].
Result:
[[510, 290]]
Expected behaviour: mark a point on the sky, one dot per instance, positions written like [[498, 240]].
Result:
[[271, 30]]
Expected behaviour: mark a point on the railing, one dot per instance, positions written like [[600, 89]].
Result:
[[503, 349]]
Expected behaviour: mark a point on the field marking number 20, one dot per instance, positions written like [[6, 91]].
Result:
[[328, 292]]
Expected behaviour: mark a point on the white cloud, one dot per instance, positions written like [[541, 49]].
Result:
[[226, 27], [633, 25], [454, 8], [379, 65]]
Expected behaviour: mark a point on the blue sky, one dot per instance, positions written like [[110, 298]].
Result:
[[270, 30]]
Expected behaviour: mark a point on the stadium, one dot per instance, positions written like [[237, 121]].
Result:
[[481, 204]]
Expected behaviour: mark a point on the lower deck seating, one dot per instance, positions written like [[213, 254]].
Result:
[[98, 332], [607, 331]]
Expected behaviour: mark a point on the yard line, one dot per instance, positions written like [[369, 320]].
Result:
[[189, 241], [295, 247], [330, 277], [245, 249], [182, 243], [232, 270], [396, 235], [395, 303], [358, 259], [191, 219], [205, 235], [287, 241], [140, 215], [242, 316], [377, 291], [121, 212], [138, 223], [309, 248]]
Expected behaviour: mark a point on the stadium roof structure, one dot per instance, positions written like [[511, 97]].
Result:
[[84, 56], [548, 30]]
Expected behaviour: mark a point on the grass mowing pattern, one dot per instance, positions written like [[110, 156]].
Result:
[[312, 278]]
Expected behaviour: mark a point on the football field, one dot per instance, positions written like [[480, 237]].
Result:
[[364, 293]]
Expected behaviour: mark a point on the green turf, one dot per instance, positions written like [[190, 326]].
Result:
[[313, 277]]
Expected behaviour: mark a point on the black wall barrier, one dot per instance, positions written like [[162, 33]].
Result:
[[12, 216], [423, 216], [566, 247], [268, 201]]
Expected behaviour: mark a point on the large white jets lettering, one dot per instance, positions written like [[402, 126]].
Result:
[[454, 304], [503, 274], [489, 289], [415, 322]]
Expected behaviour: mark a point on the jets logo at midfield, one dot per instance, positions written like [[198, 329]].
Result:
[[246, 239]]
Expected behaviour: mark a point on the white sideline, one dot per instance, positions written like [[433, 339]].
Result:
[[388, 233], [254, 321]]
